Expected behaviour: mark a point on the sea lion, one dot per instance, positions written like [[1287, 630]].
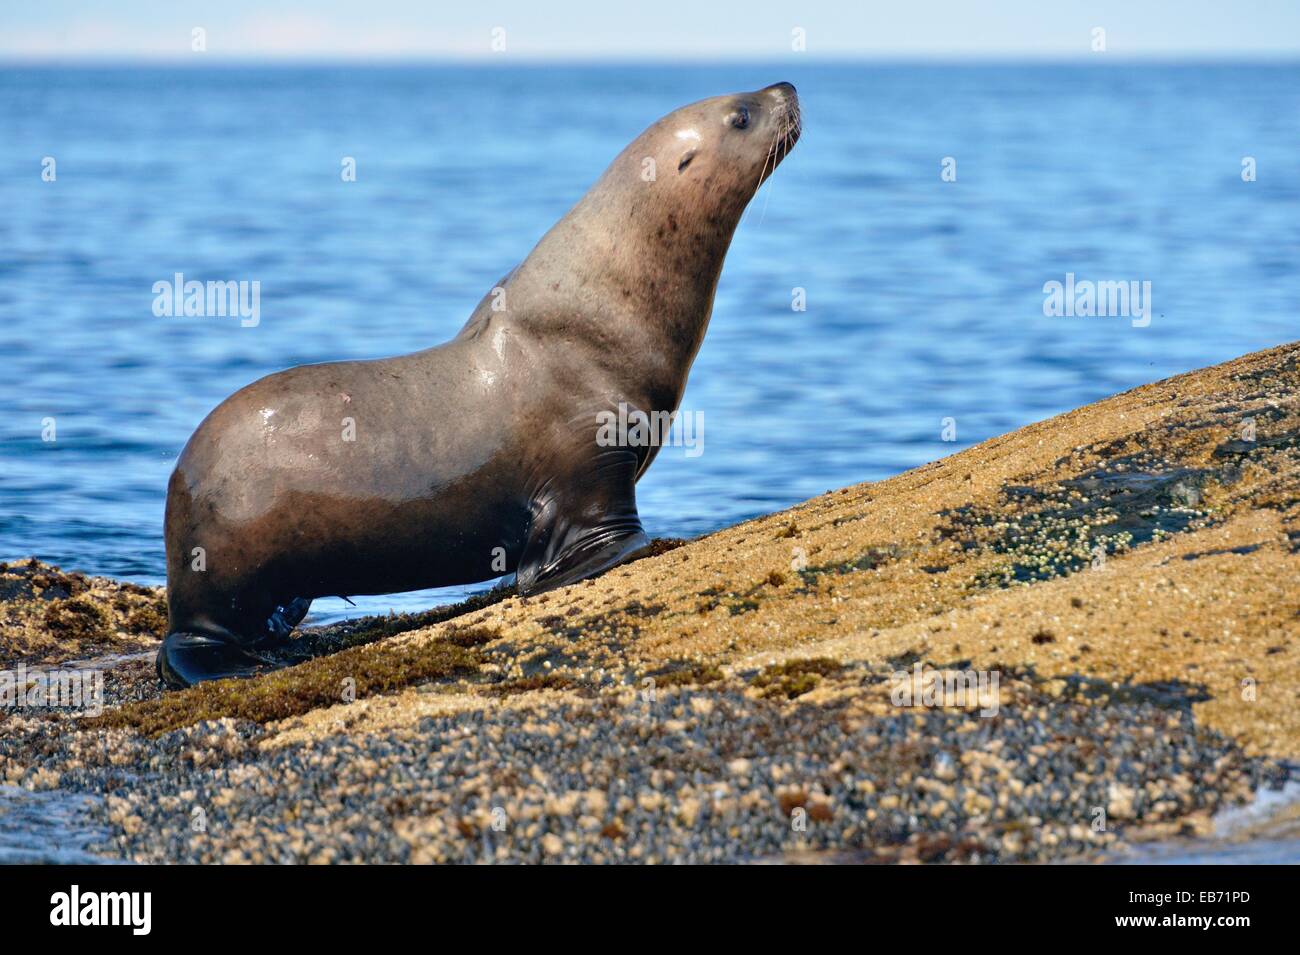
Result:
[[479, 456]]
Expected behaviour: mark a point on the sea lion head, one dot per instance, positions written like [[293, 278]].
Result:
[[720, 150], [672, 199], [637, 260]]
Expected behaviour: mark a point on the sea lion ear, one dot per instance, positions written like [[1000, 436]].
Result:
[[686, 159]]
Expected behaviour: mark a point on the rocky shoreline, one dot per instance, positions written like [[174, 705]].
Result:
[[1063, 641]]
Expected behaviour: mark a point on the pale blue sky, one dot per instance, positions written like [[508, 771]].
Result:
[[616, 29]]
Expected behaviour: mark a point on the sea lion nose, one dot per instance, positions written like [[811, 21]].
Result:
[[782, 90]]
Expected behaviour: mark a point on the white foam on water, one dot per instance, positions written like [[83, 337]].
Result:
[[1265, 831], [48, 828]]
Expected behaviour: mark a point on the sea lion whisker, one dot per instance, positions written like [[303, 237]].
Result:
[[782, 142], [762, 173]]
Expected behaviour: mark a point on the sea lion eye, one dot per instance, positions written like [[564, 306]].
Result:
[[740, 118]]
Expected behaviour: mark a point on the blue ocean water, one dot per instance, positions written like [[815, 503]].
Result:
[[924, 296]]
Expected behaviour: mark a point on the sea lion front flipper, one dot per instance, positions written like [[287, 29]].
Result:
[[185, 659], [581, 527]]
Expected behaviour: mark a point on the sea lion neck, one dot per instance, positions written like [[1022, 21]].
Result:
[[634, 264]]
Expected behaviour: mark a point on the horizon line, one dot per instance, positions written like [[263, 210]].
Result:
[[955, 57]]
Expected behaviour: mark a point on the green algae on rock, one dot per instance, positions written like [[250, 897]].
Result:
[[339, 678], [49, 616], [794, 677]]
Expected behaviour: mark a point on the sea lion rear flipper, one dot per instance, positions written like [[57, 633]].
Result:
[[583, 528], [286, 617]]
